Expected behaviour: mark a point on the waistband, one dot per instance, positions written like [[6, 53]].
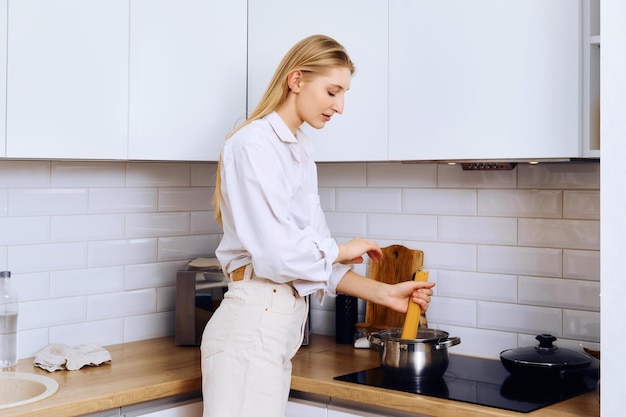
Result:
[[242, 273], [246, 273]]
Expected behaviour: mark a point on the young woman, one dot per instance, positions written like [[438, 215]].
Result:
[[276, 246]]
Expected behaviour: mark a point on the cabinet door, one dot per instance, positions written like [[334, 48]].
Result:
[[187, 77], [67, 85], [192, 409], [484, 79], [3, 75], [346, 412], [302, 408], [591, 78], [360, 133]]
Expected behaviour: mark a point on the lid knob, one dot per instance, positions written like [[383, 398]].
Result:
[[545, 340]]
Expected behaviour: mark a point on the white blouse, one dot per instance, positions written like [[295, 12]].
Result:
[[271, 210]]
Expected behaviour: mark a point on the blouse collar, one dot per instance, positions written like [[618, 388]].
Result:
[[300, 145]]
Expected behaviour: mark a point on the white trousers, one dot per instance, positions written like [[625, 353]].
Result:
[[247, 347]]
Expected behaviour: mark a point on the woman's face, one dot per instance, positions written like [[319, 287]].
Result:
[[320, 96]]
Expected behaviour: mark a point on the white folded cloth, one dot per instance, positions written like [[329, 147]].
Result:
[[362, 343], [57, 356]]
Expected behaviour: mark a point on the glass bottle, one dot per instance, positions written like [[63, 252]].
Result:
[[8, 321]]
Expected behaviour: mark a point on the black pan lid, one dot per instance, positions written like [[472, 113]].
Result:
[[546, 354]]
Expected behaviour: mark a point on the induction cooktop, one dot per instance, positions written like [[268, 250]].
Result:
[[486, 382]]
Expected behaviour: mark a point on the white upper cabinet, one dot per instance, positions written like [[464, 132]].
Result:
[[168, 79], [67, 81], [360, 133], [187, 77], [591, 80], [484, 79], [3, 74]]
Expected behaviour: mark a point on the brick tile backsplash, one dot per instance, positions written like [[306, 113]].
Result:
[[158, 175], [18, 230], [581, 204], [554, 292], [439, 201], [488, 230], [88, 174], [123, 200], [51, 201], [95, 245], [185, 199], [563, 176], [4, 202], [394, 175], [86, 227], [368, 200], [157, 224], [545, 204], [24, 174], [477, 286], [581, 264], [72, 282], [520, 318]]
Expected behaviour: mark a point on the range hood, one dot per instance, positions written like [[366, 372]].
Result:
[[488, 166], [502, 165]]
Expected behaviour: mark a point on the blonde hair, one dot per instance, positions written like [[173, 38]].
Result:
[[312, 56]]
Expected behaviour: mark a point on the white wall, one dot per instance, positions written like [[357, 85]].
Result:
[[514, 253], [613, 132], [94, 246]]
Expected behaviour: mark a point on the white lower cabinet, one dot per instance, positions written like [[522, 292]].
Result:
[[165, 408], [345, 412], [310, 405], [352, 409], [303, 408], [177, 406], [188, 410], [313, 406]]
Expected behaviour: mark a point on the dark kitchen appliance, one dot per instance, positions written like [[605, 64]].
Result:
[[196, 299], [485, 382], [346, 313]]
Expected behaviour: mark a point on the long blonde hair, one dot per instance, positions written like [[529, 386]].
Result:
[[313, 55]]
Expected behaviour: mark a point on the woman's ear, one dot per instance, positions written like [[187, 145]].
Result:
[[293, 81]]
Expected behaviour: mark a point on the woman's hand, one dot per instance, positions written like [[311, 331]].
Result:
[[399, 294], [394, 296], [352, 251]]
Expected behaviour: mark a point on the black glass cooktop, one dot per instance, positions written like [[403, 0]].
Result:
[[486, 382]]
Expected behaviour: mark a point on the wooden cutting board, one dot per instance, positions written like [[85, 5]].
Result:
[[398, 264]]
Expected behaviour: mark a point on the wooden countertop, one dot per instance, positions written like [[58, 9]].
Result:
[[153, 369], [139, 371]]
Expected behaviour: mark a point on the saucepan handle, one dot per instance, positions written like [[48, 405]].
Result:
[[448, 342], [376, 340]]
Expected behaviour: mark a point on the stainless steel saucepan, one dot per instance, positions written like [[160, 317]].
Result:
[[423, 357]]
